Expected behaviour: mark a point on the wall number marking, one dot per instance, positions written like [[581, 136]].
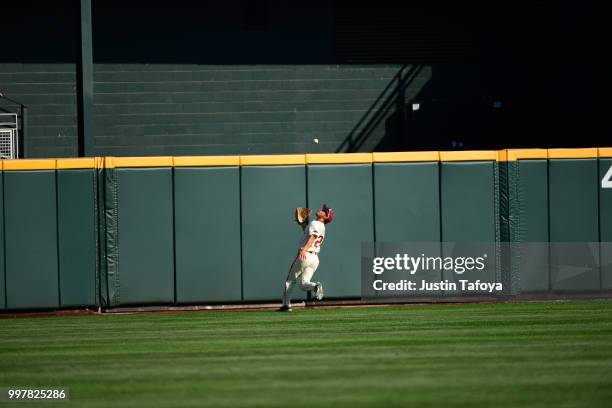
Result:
[[606, 181]]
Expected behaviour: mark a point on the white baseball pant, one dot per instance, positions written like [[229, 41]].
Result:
[[300, 272]]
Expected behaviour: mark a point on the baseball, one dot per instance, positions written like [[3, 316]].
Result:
[[315, 140]]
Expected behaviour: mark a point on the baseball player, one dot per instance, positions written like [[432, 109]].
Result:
[[306, 260]]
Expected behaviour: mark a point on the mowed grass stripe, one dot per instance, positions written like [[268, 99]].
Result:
[[505, 354]]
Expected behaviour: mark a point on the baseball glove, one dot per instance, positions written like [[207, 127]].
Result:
[[301, 215]]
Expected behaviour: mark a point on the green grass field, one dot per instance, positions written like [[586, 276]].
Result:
[[535, 354]]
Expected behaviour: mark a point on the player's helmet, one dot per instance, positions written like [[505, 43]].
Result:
[[329, 214]]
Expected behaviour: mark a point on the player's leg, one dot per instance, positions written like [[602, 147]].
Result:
[[304, 280], [292, 276], [309, 267]]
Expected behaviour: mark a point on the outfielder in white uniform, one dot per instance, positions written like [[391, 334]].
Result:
[[306, 260]]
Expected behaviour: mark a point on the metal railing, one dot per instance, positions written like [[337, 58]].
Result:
[[13, 125], [9, 142]]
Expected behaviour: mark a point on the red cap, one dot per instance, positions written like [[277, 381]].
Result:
[[330, 216]]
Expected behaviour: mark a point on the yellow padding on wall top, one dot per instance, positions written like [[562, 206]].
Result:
[[405, 157], [29, 164], [161, 161], [82, 163], [338, 158], [203, 161], [272, 160], [590, 153], [302, 159], [518, 154], [470, 155], [605, 151]]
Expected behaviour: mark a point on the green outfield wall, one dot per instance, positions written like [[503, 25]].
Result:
[[468, 212], [145, 241], [605, 222], [202, 230], [77, 236], [207, 222], [30, 228], [269, 243], [347, 188], [2, 257], [50, 244], [574, 217], [412, 190], [529, 221]]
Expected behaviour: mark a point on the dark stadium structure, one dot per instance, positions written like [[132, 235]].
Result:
[[146, 78]]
